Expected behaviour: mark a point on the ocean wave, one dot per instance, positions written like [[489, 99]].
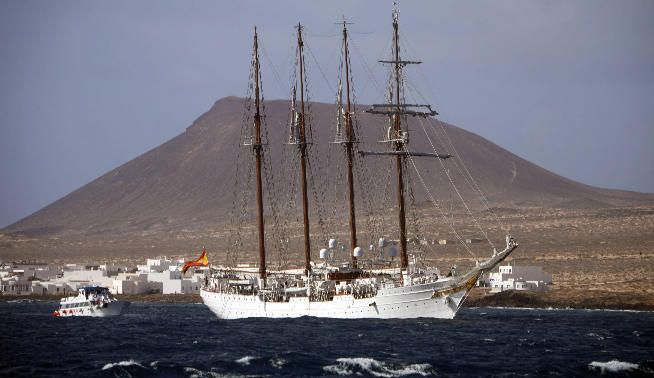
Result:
[[22, 300], [197, 373], [357, 366], [595, 335], [245, 361], [277, 363], [129, 362], [612, 366]]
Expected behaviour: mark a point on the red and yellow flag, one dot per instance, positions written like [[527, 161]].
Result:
[[201, 261]]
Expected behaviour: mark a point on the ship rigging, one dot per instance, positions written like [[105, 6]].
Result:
[[338, 289]]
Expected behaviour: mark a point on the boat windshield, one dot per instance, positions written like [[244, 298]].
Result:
[[95, 290]]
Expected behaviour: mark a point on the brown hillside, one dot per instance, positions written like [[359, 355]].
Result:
[[188, 182]]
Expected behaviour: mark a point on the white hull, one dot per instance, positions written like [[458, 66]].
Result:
[[113, 308], [440, 299], [92, 301], [417, 301]]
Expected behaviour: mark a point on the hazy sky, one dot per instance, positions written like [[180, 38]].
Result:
[[89, 85]]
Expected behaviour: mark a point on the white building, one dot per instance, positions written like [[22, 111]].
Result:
[[160, 275], [50, 279], [519, 278], [15, 285], [79, 278], [160, 264], [174, 283], [113, 269], [51, 288], [38, 271], [19, 279], [182, 286], [135, 283]]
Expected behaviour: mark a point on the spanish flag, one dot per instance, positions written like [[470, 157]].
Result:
[[201, 261]]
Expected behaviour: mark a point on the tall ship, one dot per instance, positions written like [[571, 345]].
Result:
[[354, 287]]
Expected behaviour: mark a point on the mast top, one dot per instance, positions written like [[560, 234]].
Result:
[[299, 28], [344, 22], [396, 13]]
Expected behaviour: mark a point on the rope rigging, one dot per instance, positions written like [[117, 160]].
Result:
[[279, 233], [278, 80], [372, 191], [436, 204], [453, 185], [468, 177]]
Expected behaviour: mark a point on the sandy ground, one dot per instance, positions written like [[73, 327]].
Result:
[[600, 257]]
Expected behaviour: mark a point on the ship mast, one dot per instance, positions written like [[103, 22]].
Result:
[[395, 110], [258, 152], [399, 146], [349, 142], [302, 143]]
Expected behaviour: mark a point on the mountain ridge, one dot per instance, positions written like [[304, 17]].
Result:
[[187, 181]]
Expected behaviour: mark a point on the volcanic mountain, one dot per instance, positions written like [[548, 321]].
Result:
[[189, 181]]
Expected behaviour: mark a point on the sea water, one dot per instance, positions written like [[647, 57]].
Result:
[[187, 340]]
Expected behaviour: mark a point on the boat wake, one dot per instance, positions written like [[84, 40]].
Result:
[[365, 366]]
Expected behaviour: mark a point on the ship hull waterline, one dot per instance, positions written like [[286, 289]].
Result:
[[440, 299], [415, 301], [114, 308]]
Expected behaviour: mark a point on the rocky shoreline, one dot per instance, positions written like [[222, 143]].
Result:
[[562, 298], [479, 297]]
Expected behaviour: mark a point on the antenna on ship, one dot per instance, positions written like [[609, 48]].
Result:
[[398, 135]]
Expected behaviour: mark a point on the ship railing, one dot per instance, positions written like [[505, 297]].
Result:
[[225, 287], [393, 282]]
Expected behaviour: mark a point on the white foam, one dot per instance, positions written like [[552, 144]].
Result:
[[612, 366], [337, 370], [197, 373], [595, 335], [347, 366], [277, 363], [193, 372], [614, 310], [122, 363], [245, 361]]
